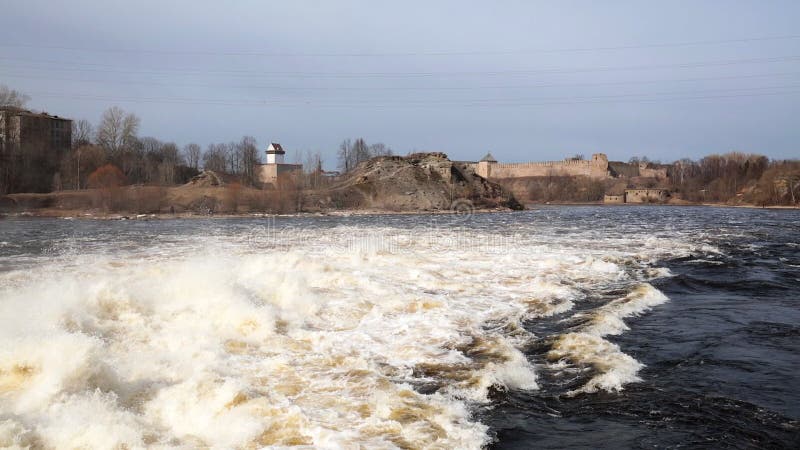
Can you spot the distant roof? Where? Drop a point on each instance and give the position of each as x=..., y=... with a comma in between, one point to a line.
x=24, y=112
x=489, y=158
x=274, y=147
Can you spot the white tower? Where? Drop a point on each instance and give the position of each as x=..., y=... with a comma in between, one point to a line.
x=275, y=154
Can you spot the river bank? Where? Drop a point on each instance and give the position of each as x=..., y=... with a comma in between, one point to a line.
x=104, y=215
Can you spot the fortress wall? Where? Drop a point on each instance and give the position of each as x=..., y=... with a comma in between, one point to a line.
x=593, y=168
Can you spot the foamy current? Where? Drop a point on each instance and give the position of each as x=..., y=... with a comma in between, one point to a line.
x=258, y=334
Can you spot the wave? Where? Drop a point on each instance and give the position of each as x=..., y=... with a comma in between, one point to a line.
x=314, y=343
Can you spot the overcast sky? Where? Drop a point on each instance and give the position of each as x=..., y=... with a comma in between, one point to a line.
x=526, y=80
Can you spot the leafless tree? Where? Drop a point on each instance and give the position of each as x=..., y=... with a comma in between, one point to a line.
x=313, y=169
x=117, y=130
x=79, y=163
x=344, y=155
x=360, y=152
x=350, y=155
x=249, y=154
x=192, y=154
x=11, y=97
x=82, y=132
x=214, y=158
x=169, y=160
x=233, y=155
x=380, y=149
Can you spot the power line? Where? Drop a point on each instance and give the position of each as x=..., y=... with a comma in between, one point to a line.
x=616, y=98
x=184, y=71
x=404, y=54
x=404, y=88
x=559, y=103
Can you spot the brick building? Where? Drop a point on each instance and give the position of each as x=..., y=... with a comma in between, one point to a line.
x=31, y=147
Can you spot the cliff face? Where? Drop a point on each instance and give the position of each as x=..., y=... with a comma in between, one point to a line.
x=421, y=181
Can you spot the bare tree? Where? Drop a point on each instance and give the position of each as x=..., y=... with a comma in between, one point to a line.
x=82, y=132
x=360, y=152
x=117, y=130
x=249, y=155
x=11, y=97
x=192, y=154
x=380, y=149
x=169, y=159
x=350, y=155
x=313, y=169
x=233, y=154
x=79, y=163
x=214, y=158
x=344, y=155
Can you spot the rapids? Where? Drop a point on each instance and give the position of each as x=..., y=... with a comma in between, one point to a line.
x=319, y=332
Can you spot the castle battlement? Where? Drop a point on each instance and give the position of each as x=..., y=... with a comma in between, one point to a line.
x=597, y=167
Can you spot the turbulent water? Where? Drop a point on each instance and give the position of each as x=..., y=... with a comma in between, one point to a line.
x=557, y=327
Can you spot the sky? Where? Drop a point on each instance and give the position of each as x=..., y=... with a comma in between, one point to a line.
x=526, y=80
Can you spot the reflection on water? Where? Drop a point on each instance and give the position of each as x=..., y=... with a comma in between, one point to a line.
x=632, y=326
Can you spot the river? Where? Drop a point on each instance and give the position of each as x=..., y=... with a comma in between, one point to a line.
x=558, y=327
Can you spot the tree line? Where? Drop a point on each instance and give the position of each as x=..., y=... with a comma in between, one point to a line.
x=351, y=153
x=736, y=178
x=148, y=160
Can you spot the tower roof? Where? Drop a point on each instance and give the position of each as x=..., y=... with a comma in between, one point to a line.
x=275, y=148
x=489, y=158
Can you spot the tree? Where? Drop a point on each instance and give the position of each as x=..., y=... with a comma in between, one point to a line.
x=214, y=158
x=169, y=158
x=79, y=163
x=117, y=131
x=380, y=149
x=82, y=132
x=344, y=156
x=192, y=154
x=106, y=177
x=107, y=181
x=249, y=154
x=350, y=155
x=360, y=152
x=11, y=97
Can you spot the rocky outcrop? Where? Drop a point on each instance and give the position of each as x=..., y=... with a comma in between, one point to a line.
x=417, y=182
x=206, y=178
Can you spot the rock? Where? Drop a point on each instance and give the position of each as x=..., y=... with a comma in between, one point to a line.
x=417, y=182
x=207, y=178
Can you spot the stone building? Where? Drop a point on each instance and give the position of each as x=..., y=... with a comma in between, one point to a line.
x=31, y=147
x=276, y=169
x=613, y=198
x=646, y=195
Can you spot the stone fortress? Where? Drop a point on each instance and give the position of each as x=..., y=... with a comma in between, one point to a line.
x=597, y=167
x=634, y=182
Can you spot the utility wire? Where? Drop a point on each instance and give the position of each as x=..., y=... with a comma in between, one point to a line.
x=616, y=98
x=401, y=54
x=400, y=88
x=251, y=73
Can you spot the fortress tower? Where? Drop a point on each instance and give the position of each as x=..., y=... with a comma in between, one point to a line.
x=275, y=153
x=275, y=168
x=485, y=165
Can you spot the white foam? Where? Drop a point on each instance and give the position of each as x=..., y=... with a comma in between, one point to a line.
x=242, y=343
x=587, y=346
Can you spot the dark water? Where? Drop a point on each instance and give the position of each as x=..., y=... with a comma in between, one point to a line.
x=722, y=356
